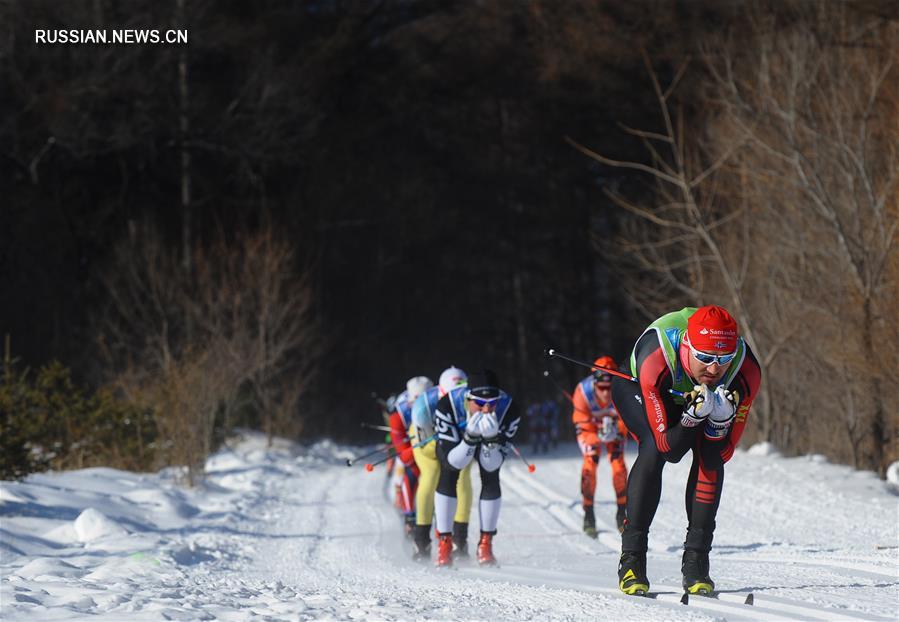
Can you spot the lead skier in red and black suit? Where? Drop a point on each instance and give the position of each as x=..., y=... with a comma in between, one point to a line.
x=699, y=353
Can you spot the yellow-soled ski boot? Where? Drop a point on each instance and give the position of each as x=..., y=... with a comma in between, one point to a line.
x=695, y=568
x=632, y=573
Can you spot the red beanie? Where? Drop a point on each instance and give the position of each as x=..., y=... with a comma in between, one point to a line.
x=712, y=328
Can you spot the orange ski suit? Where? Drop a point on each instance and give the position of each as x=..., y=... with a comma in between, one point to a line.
x=588, y=418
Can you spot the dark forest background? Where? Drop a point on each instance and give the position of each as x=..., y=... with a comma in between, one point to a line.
x=312, y=201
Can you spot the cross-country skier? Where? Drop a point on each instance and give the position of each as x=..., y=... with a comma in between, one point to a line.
x=426, y=458
x=550, y=412
x=538, y=432
x=598, y=425
x=387, y=407
x=476, y=422
x=400, y=419
x=700, y=353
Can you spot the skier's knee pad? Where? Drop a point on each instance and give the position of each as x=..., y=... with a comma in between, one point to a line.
x=447, y=483
x=490, y=488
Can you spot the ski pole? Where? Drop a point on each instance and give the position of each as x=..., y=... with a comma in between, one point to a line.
x=531, y=467
x=380, y=400
x=371, y=465
x=550, y=352
x=558, y=386
x=384, y=404
x=371, y=426
x=351, y=461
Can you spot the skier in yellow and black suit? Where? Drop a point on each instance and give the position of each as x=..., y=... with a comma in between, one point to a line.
x=426, y=459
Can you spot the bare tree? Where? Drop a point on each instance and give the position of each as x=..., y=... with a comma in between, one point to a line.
x=265, y=309
x=250, y=322
x=674, y=252
x=815, y=101
x=780, y=200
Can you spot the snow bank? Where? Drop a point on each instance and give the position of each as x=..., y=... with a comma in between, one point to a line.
x=763, y=449
x=92, y=525
x=893, y=475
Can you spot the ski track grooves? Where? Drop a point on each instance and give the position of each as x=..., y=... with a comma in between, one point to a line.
x=549, y=515
x=667, y=596
x=537, y=497
x=312, y=553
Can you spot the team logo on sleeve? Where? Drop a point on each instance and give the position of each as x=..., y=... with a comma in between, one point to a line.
x=513, y=428
x=443, y=425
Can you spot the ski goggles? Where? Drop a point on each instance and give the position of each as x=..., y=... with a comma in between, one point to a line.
x=480, y=402
x=602, y=378
x=707, y=359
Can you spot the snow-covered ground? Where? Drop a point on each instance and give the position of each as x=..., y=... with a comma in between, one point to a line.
x=291, y=533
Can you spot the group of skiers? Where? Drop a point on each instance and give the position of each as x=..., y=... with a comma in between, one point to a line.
x=690, y=385
x=438, y=433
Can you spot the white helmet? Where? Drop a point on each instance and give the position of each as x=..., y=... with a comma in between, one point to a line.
x=417, y=385
x=451, y=378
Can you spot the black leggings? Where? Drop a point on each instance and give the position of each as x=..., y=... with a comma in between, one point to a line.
x=644, y=482
x=446, y=485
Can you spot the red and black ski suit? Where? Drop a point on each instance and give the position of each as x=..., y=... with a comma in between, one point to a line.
x=654, y=419
x=399, y=420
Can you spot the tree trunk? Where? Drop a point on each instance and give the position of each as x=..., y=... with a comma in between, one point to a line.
x=184, y=130
x=878, y=422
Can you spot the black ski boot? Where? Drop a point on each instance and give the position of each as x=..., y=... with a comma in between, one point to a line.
x=620, y=517
x=695, y=568
x=632, y=573
x=695, y=562
x=460, y=540
x=409, y=525
x=421, y=543
x=590, y=522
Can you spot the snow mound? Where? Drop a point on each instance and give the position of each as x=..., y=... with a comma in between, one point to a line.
x=893, y=474
x=763, y=449
x=48, y=568
x=92, y=525
x=8, y=496
x=168, y=503
x=62, y=534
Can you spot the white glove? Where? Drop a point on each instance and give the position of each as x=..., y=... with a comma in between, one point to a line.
x=472, y=434
x=609, y=431
x=722, y=414
x=700, y=403
x=489, y=427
